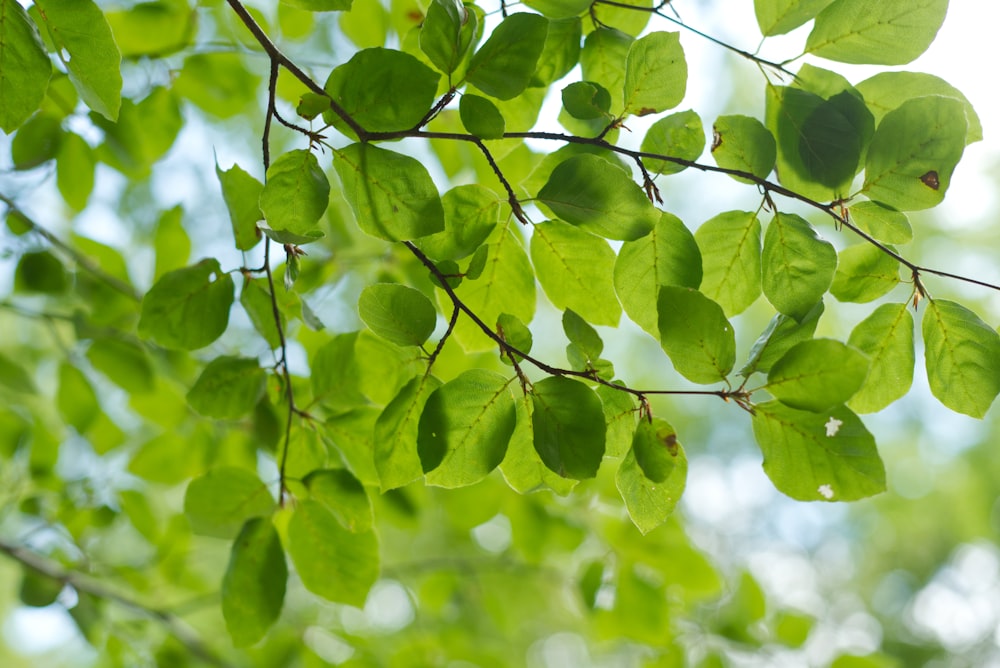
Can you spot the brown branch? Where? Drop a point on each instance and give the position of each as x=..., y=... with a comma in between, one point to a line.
x=91, y=585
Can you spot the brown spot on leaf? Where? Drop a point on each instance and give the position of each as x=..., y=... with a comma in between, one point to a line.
x=716, y=139
x=645, y=111
x=930, y=179
x=670, y=442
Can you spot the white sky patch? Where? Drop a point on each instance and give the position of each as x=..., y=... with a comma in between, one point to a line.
x=832, y=427
x=825, y=490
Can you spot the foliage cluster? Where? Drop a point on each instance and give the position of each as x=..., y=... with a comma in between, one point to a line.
x=408, y=176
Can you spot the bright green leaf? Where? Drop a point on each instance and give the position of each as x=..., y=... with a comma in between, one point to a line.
x=561, y=52
x=24, y=76
x=397, y=313
x=695, y=334
x=222, y=84
x=588, y=191
x=603, y=61
x=447, y=33
x=241, y=192
x=781, y=334
x=171, y=242
x=383, y=90
x=124, y=363
x=76, y=400
x=882, y=222
x=888, y=90
x=568, y=427
x=652, y=476
x=668, y=255
x=14, y=377
x=744, y=144
x=396, y=457
x=730, y=259
x=559, y=9
x=333, y=563
x=295, y=194
x=522, y=467
x=891, y=32
x=93, y=62
x=392, y=195
x=253, y=589
x=343, y=495
x=471, y=212
x=481, y=117
x=575, y=268
x=679, y=135
x=465, y=427
x=962, y=355
x=503, y=66
x=586, y=100
x=320, y=5
x=914, y=152
x=255, y=298
x=156, y=28
x=228, y=387
x=810, y=456
x=219, y=502
x=777, y=17
x=864, y=273
x=797, y=265
x=75, y=164
x=36, y=142
x=817, y=374
x=655, y=74
x=188, y=308
x=886, y=336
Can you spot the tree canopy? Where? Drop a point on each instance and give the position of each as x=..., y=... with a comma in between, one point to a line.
x=350, y=332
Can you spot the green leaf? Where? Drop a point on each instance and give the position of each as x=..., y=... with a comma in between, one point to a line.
x=777, y=17
x=40, y=272
x=219, y=502
x=581, y=334
x=93, y=62
x=145, y=131
x=603, y=61
x=256, y=301
x=559, y=9
x=295, y=194
x=38, y=590
x=392, y=195
x=586, y=100
x=522, y=468
x=36, y=142
x=864, y=273
x=818, y=456
x=561, y=52
x=481, y=117
x=343, y=495
x=962, y=355
x=14, y=377
x=507, y=285
x=241, y=192
x=320, y=5
x=253, y=589
x=336, y=373
x=575, y=268
x=124, y=363
x=695, y=334
x=652, y=476
x=397, y=313
x=188, y=308
x=621, y=410
x=914, y=152
x=797, y=265
x=333, y=563
x=228, y=388
x=471, y=212
x=668, y=255
x=75, y=164
x=76, y=400
x=886, y=336
x=680, y=135
x=219, y=83
x=781, y=334
x=744, y=144
x=730, y=259
x=503, y=66
x=465, y=427
x=171, y=242
x=396, y=457
x=883, y=223
x=153, y=29
x=447, y=34
x=892, y=32
x=568, y=427
x=383, y=90
x=24, y=83
x=821, y=139
x=817, y=375
x=888, y=90
x=514, y=332
x=590, y=192
x=655, y=74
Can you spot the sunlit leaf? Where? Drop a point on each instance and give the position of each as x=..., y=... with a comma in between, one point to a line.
x=797, y=265
x=655, y=74
x=228, y=387
x=24, y=85
x=886, y=336
x=295, y=194
x=817, y=374
x=679, y=135
x=730, y=259
x=652, y=476
x=188, y=308
x=777, y=17
x=253, y=589
x=864, y=273
x=503, y=66
x=568, y=427
x=219, y=502
x=397, y=313
x=695, y=334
